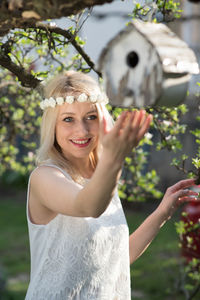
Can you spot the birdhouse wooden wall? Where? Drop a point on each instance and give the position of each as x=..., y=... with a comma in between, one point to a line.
x=146, y=64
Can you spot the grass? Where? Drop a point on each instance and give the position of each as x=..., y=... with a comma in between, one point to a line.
x=14, y=247
x=155, y=273
x=154, y=276
x=158, y=273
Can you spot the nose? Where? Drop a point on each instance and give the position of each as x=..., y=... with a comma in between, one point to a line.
x=82, y=129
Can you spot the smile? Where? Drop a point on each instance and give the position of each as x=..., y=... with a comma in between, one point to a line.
x=81, y=143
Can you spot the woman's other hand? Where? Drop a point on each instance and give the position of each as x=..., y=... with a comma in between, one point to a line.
x=175, y=196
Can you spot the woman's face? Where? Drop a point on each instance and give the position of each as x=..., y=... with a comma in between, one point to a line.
x=77, y=129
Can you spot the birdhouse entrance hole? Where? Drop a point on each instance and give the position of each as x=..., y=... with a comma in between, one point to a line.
x=132, y=59
x=146, y=64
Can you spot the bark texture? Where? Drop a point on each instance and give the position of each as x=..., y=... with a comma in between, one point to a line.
x=20, y=13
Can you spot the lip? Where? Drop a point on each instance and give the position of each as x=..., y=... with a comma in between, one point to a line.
x=81, y=145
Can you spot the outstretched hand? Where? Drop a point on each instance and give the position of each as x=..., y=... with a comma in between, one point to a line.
x=176, y=195
x=128, y=130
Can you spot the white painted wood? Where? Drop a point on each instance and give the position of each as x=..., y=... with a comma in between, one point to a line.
x=162, y=73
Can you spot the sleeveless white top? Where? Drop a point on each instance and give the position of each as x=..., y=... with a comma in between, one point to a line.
x=75, y=258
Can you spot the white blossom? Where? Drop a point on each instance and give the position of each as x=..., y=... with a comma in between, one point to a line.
x=102, y=98
x=59, y=100
x=30, y=154
x=46, y=103
x=53, y=24
x=168, y=137
x=93, y=98
x=69, y=99
x=52, y=102
x=82, y=98
x=42, y=105
x=166, y=123
x=148, y=135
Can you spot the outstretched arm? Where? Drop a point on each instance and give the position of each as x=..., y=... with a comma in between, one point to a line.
x=93, y=199
x=141, y=238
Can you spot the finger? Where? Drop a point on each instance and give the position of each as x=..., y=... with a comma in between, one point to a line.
x=185, y=193
x=143, y=117
x=102, y=127
x=145, y=127
x=128, y=124
x=138, y=118
x=183, y=184
x=188, y=199
x=133, y=126
x=119, y=124
x=140, y=126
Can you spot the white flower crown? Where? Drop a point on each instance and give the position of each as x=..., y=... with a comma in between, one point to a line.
x=94, y=98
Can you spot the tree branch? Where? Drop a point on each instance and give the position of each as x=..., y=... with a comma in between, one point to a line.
x=66, y=34
x=71, y=38
x=26, y=79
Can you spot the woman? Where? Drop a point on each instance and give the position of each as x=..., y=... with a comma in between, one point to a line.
x=79, y=239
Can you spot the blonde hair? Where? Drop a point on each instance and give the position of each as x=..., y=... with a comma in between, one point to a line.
x=70, y=83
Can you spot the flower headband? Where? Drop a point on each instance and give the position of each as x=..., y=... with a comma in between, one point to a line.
x=94, y=98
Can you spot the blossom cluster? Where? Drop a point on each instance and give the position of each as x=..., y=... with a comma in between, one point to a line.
x=94, y=98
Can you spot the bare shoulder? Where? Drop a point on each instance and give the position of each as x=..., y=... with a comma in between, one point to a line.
x=43, y=185
x=47, y=180
x=45, y=174
x=51, y=192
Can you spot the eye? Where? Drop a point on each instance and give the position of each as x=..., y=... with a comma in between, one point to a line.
x=92, y=117
x=68, y=119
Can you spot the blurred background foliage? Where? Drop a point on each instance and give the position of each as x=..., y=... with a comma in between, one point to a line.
x=45, y=51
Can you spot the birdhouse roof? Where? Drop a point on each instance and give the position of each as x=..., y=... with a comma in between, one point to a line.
x=174, y=54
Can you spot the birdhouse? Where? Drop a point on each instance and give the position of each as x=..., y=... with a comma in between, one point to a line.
x=146, y=64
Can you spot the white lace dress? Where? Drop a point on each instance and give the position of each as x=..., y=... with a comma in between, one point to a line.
x=75, y=258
